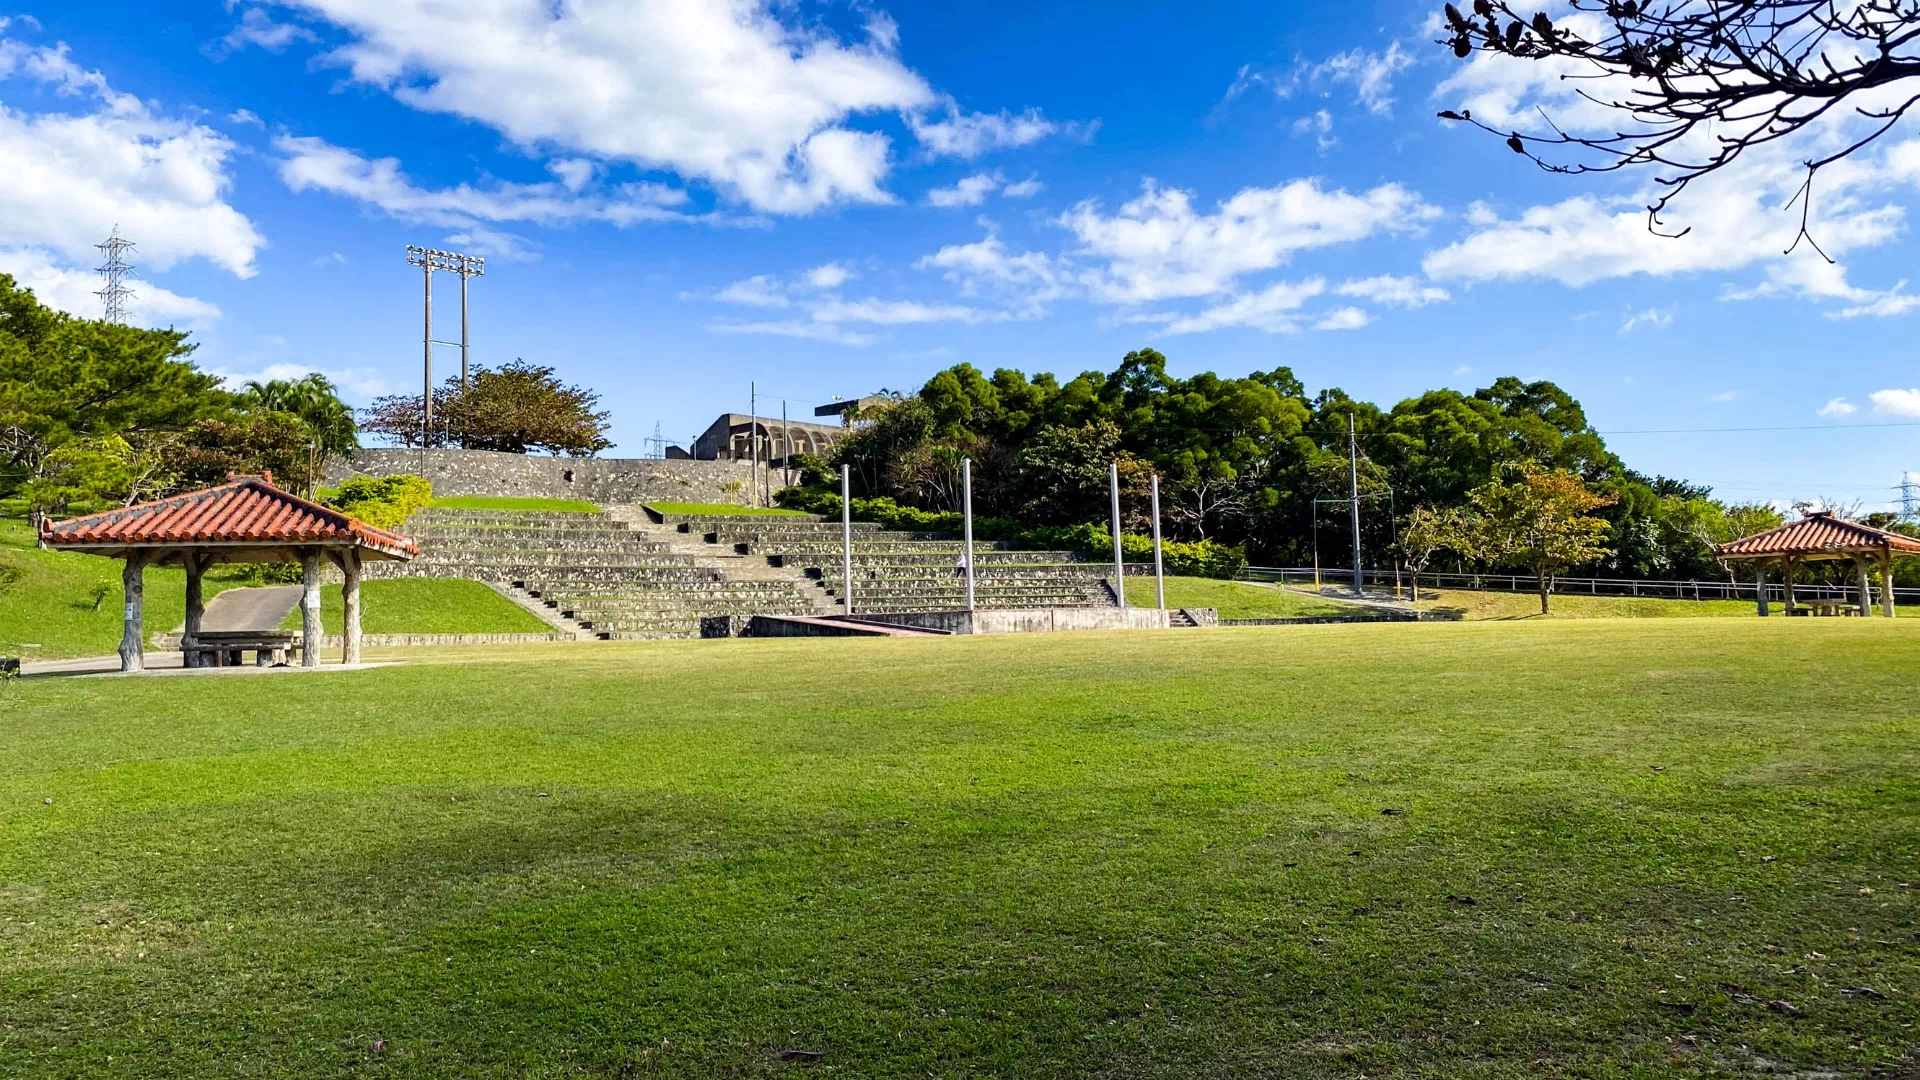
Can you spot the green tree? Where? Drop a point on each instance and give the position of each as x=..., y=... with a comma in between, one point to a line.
x=81, y=471
x=517, y=408
x=1425, y=533
x=250, y=444
x=63, y=378
x=331, y=431
x=1541, y=521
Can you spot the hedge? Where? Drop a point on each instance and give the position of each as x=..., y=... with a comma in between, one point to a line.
x=382, y=501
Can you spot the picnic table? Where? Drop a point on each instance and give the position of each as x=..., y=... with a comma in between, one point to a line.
x=223, y=648
x=1833, y=607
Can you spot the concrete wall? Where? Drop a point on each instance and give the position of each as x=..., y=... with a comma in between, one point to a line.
x=1030, y=620
x=601, y=480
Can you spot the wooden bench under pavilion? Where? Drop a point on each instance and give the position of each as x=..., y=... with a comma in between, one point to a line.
x=245, y=520
x=1821, y=537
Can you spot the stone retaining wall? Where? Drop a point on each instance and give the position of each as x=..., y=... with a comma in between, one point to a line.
x=607, y=481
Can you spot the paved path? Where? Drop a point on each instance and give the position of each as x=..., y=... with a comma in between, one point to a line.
x=251, y=609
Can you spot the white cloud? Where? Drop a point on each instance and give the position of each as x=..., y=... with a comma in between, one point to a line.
x=331, y=259
x=1838, y=407
x=971, y=191
x=1319, y=125
x=257, y=28
x=1273, y=309
x=311, y=164
x=1463, y=369
x=247, y=117
x=740, y=94
x=829, y=276
x=71, y=177
x=1159, y=247
x=1346, y=318
x=1023, y=189
x=1402, y=292
x=969, y=135
x=1722, y=398
x=1030, y=279
x=1896, y=402
x=1370, y=74
x=1658, y=318
x=824, y=315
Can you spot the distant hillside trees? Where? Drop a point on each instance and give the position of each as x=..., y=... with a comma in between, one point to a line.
x=517, y=408
x=1242, y=460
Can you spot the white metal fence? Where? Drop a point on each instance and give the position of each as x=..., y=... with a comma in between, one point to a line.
x=1387, y=580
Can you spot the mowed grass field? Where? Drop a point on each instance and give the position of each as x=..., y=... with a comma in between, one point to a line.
x=424, y=606
x=1594, y=849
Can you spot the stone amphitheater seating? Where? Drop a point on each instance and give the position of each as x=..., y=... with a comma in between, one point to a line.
x=899, y=571
x=617, y=582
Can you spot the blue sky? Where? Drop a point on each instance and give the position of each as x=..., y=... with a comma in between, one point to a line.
x=679, y=198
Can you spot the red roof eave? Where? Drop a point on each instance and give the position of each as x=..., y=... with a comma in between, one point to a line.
x=245, y=511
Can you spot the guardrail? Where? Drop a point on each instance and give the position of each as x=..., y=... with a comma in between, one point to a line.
x=1573, y=586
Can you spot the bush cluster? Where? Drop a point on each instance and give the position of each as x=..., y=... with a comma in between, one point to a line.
x=382, y=501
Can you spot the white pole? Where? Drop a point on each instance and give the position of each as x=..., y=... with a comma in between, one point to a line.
x=1119, y=572
x=966, y=510
x=1159, y=573
x=846, y=536
x=753, y=442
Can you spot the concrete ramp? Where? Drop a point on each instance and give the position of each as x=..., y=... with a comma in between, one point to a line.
x=251, y=609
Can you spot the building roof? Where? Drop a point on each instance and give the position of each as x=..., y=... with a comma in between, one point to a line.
x=246, y=519
x=1819, y=535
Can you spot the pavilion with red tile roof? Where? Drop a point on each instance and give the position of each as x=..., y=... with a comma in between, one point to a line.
x=245, y=520
x=1821, y=537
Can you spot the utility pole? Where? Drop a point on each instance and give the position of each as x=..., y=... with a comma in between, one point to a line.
x=1353, y=478
x=966, y=513
x=1159, y=571
x=1119, y=571
x=467, y=266
x=786, y=459
x=115, y=272
x=846, y=536
x=753, y=442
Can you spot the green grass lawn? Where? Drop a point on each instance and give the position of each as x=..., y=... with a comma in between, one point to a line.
x=425, y=606
x=47, y=610
x=1502, y=605
x=692, y=509
x=481, y=502
x=1234, y=599
x=1593, y=849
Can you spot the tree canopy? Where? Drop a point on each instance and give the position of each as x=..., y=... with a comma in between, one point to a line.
x=518, y=407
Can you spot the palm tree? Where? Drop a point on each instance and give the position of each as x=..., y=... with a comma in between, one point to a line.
x=316, y=404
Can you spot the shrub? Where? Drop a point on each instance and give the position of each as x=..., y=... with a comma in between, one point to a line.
x=382, y=501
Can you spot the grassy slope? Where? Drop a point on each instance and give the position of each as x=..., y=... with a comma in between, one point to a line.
x=50, y=605
x=1087, y=854
x=481, y=502
x=425, y=606
x=723, y=509
x=1235, y=599
x=1499, y=605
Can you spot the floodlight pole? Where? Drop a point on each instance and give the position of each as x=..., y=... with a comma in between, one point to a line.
x=1119, y=571
x=1353, y=477
x=1159, y=572
x=426, y=396
x=753, y=442
x=966, y=513
x=846, y=536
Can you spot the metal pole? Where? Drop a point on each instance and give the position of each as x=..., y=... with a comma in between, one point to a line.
x=846, y=536
x=753, y=443
x=786, y=459
x=1353, y=477
x=1119, y=571
x=426, y=403
x=463, y=324
x=1159, y=572
x=966, y=511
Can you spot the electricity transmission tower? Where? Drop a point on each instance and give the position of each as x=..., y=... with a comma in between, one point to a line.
x=656, y=446
x=467, y=266
x=1909, y=497
x=116, y=272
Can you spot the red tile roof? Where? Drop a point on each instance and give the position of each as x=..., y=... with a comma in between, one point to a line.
x=246, y=510
x=1820, y=534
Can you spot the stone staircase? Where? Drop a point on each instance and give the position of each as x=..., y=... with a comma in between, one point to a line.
x=899, y=571
x=595, y=572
